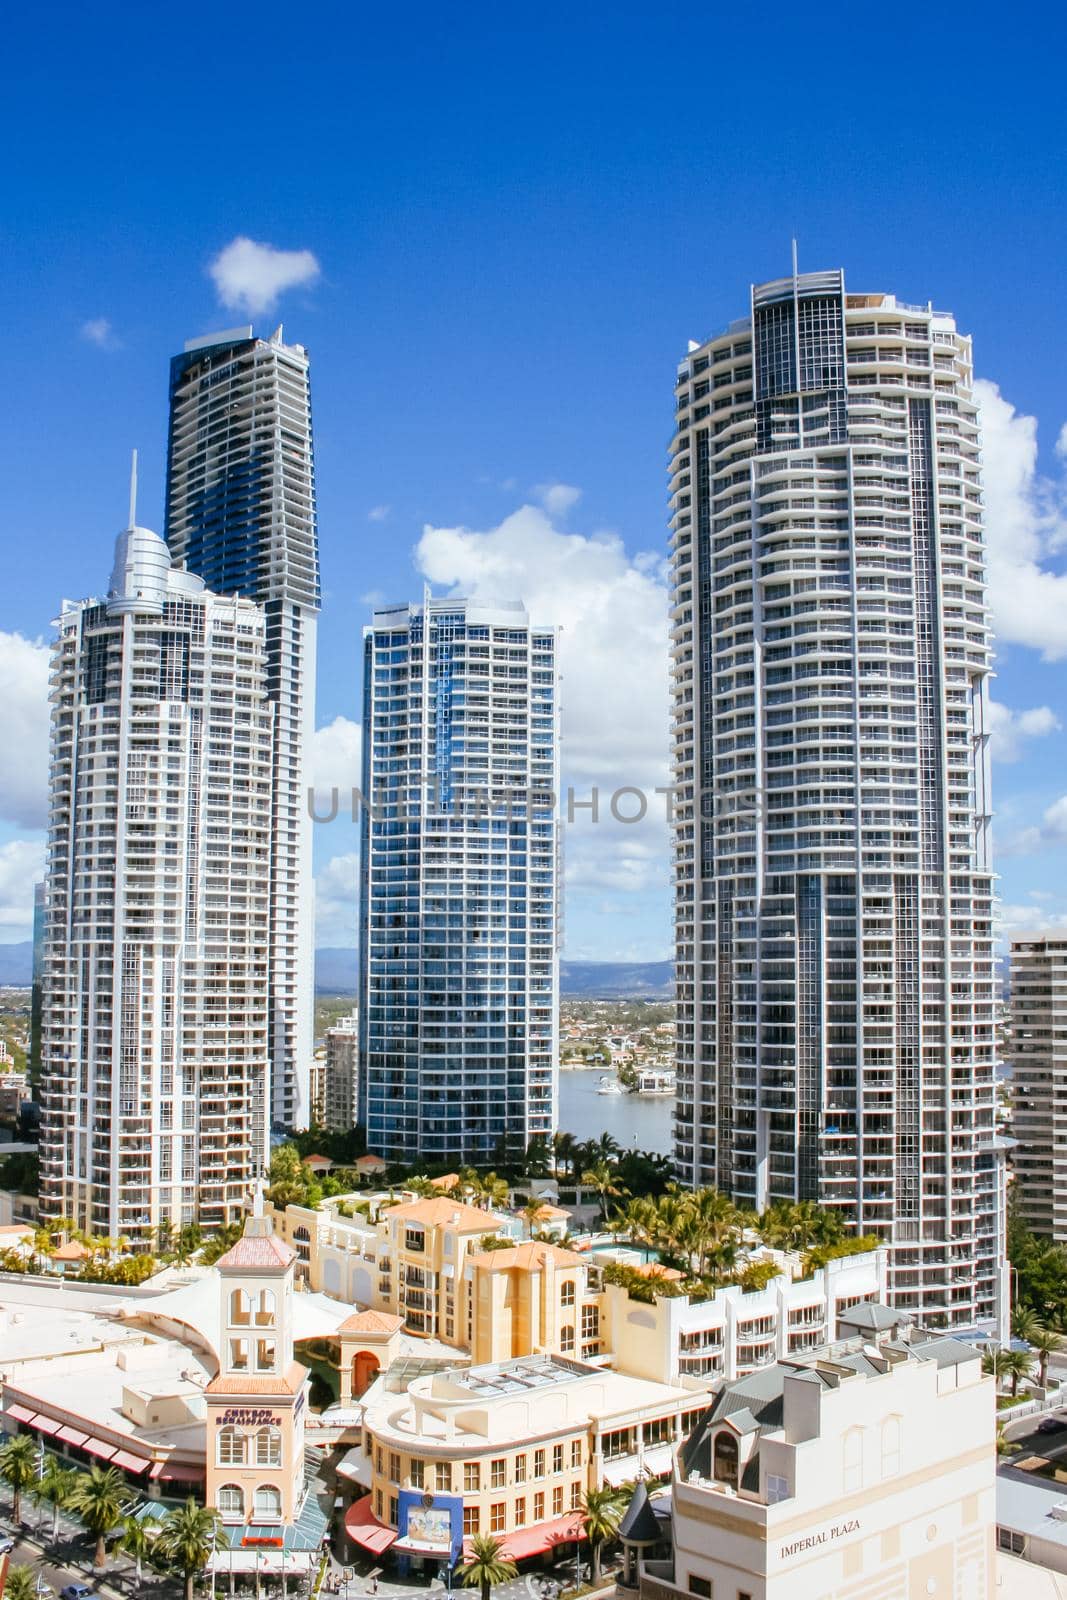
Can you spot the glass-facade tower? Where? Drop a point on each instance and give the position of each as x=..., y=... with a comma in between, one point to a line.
x=241, y=514
x=831, y=654
x=459, y=963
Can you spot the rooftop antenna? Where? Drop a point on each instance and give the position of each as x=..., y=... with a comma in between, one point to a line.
x=794, y=258
x=133, y=490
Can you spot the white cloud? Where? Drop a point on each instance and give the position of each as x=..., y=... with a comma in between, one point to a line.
x=24, y=726
x=21, y=866
x=1052, y=832
x=613, y=655
x=1012, y=919
x=1010, y=729
x=335, y=901
x=379, y=513
x=250, y=276
x=98, y=331
x=336, y=760
x=557, y=498
x=1026, y=523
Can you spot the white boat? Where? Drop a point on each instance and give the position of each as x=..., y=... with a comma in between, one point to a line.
x=609, y=1086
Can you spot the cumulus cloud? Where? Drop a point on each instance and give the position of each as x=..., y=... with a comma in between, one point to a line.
x=250, y=276
x=611, y=611
x=1051, y=832
x=335, y=759
x=557, y=498
x=379, y=513
x=335, y=901
x=1026, y=526
x=98, y=331
x=23, y=731
x=1009, y=730
x=21, y=866
x=1014, y=919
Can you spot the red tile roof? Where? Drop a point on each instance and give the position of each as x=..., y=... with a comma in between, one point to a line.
x=371, y=1322
x=290, y=1382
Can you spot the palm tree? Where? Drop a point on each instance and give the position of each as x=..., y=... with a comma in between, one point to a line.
x=55, y=1489
x=18, y=1467
x=164, y=1235
x=189, y=1534
x=1017, y=1365
x=601, y=1179
x=563, y=1152
x=137, y=1540
x=20, y=1584
x=995, y=1361
x=601, y=1511
x=1025, y=1324
x=495, y=1192
x=531, y=1211
x=100, y=1499
x=1044, y=1343
x=488, y=1565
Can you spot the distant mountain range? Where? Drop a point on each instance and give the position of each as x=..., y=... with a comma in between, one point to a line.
x=335, y=973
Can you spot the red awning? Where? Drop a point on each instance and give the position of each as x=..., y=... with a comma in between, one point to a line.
x=97, y=1447
x=45, y=1424
x=533, y=1541
x=175, y=1472
x=129, y=1462
x=363, y=1527
x=71, y=1436
x=21, y=1414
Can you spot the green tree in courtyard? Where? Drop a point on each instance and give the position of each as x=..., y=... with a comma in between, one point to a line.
x=487, y=1565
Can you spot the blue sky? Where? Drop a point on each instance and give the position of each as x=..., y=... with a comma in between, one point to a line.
x=518, y=222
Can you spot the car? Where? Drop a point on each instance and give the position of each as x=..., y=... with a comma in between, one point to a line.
x=1052, y=1425
x=75, y=1591
x=7, y=1544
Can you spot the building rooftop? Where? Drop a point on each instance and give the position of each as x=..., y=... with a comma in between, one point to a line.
x=523, y=1374
x=527, y=1257
x=442, y=1212
x=258, y=1249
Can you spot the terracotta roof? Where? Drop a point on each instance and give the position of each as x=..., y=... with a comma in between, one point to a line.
x=529, y=1256
x=370, y=1163
x=290, y=1382
x=371, y=1322
x=258, y=1250
x=317, y=1161
x=548, y=1210
x=71, y=1251
x=447, y=1181
x=440, y=1212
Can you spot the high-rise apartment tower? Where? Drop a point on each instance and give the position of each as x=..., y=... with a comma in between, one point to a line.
x=241, y=514
x=459, y=963
x=831, y=652
x=154, y=1060
x=1038, y=1052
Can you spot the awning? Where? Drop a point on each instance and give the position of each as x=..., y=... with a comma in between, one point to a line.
x=129, y=1462
x=355, y=1466
x=292, y=1562
x=97, y=1447
x=45, y=1424
x=21, y=1414
x=523, y=1542
x=71, y=1436
x=175, y=1472
x=657, y=1459
x=362, y=1526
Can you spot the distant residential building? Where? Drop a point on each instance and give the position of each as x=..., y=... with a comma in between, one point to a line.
x=154, y=1052
x=864, y=1468
x=459, y=883
x=340, y=1090
x=241, y=514
x=317, y=1092
x=1038, y=986
x=39, y=924
x=15, y=1092
x=834, y=891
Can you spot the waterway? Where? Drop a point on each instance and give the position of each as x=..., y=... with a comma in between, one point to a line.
x=644, y=1121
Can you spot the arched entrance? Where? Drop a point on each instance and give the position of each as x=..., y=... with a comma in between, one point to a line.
x=365, y=1368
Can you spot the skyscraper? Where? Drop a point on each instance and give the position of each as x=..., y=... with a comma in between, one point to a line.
x=241, y=514
x=1039, y=1056
x=155, y=1067
x=459, y=963
x=833, y=887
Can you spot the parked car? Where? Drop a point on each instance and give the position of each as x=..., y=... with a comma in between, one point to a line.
x=1052, y=1425
x=75, y=1591
x=7, y=1544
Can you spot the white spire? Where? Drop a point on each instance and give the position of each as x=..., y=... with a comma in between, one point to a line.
x=133, y=491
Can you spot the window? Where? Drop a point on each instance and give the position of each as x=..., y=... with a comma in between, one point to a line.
x=852, y=1459
x=496, y=1517
x=700, y=1586
x=1008, y=1539
x=620, y=1442
x=576, y=1452
x=566, y=1338
x=394, y=1510
x=443, y=1477
x=265, y=1353
x=265, y=1309
x=520, y=1468
x=890, y=1447
x=539, y=1464
x=472, y=1476
x=268, y=1502
x=777, y=1488
x=724, y=1468
x=230, y=1501
x=566, y=1292
x=590, y=1322
x=470, y=1519
x=414, y=1239
x=394, y=1466
x=238, y=1355
x=557, y=1501
x=520, y=1513
x=557, y=1458
x=240, y=1309
x=269, y=1447
x=576, y=1497
x=418, y=1472
x=231, y=1448
x=539, y=1508
x=497, y=1474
